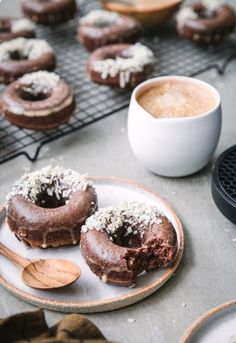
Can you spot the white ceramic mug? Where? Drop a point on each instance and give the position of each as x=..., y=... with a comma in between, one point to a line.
x=173, y=147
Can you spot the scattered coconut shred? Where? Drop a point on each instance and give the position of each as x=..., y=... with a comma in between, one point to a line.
x=136, y=57
x=22, y=24
x=27, y=48
x=133, y=215
x=55, y=180
x=100, y=18
x=39, y=82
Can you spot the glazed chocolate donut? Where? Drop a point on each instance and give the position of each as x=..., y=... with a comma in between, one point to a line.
x=47, y=208
x=21, y=56
x=11, y=28
x=206, y=22
x=122, y=241
x=101, y=27
x=120, y=65
x=49, y=12
x=38, y=101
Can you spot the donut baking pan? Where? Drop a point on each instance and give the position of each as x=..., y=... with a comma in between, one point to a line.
x=224, y=183
x=174, y=55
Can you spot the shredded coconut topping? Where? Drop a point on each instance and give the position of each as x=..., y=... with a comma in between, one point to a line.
x=25, y=48
x=39, y=82
x=188, y=12
x=22, y=24
x=212, y=5
x=55, y=181
x=133, y=60
x=100, y=18
x=133, y=216
x=184, y=14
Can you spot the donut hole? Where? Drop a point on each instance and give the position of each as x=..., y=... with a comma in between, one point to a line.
x=45, y=200
x=49, y=197
x=4, y=28
x=17, y=55
x=29, y=94
x=123, y=238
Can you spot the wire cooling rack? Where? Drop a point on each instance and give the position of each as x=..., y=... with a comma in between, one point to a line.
x=173, y=56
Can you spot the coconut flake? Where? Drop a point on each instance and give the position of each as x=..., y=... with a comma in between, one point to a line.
x=100, y=18
x=54, y=180
x=134, y=216
x=39, y=82
x=22, y=24
x=184, y=14
x=26, y=48
x=134, y=59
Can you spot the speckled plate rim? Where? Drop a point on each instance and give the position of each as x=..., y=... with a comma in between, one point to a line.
x=203, y=318
x=111, y=303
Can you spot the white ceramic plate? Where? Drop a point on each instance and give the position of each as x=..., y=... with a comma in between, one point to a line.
x=216, y=326
x=89, y=293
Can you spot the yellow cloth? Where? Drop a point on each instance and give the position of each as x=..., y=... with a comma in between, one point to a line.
x=31, y=327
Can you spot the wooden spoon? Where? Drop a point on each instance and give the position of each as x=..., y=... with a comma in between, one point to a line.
x=43, y=274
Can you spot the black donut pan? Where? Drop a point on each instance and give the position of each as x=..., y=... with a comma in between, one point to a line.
x=174, y=56
x=224, y=183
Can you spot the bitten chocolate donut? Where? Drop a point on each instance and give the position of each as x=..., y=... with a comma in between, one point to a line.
x=20, y=56
x=38, y=101
x=101, y=27
x=120, y=65
x=12, y=28
x=47, y=208
x=206, y=22
x=122, y=241
x=49, y=12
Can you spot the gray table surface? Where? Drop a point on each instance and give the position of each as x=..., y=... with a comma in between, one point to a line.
x=206, y=276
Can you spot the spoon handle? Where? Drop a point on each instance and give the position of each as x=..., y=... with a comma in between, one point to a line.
x=13, y=257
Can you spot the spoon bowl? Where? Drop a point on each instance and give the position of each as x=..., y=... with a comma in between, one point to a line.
x=50, y=274
x=43, y=274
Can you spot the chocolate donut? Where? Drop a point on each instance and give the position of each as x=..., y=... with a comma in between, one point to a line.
x=49, y=12
x=206, y=22
x=120, y=65
x=12, y=28
x=38, y=101
x=101, y=27
x=122, y=241
x=21, y=56
x=47, y=208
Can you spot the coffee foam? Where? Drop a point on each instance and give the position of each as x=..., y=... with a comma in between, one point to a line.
x=173, y=99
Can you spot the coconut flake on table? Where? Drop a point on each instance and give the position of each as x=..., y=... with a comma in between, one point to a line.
x=22, y=24
x=134, y=59
x=100, y=18
x=54, y=180
x=39, y=82
x=133, y=215
x=27, y=48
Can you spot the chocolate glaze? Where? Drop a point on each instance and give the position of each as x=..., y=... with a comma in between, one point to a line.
x=6, y=33
x=120, y=265
x=49, y=12
x=111, y=51
x=11, y=70
x=126, y=30
x=209, y=30
x=12, y=101
x=44, y=227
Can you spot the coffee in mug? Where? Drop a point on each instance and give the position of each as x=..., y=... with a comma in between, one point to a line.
x=177, y=98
